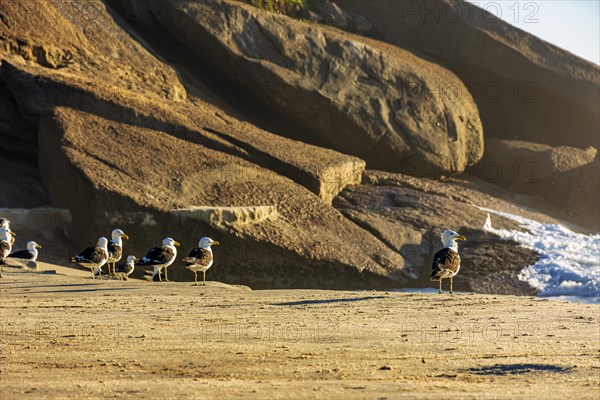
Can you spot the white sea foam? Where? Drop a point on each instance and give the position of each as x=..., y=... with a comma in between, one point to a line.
x=569, y=263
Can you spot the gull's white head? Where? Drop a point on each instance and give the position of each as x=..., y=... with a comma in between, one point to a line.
x=206, y=242
x=4, y=223
x=6, y=234
x=169, y=242
x=102, y=242
x=117, y=234
x=32, y=246
x=132, y=259
x=449, y=239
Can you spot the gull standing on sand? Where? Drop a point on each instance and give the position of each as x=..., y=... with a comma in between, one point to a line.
x=31, y=254
x=93, y=257
x=6, y=241
x=122, y=272
x=201, y=258
x=5, y=248
x=160, y=257
x=446, y=262
x=5, y=231
x=115, y=249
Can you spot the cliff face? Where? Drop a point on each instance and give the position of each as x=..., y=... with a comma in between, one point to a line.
x=171, y=131
x=348, y=93
x=525, y=88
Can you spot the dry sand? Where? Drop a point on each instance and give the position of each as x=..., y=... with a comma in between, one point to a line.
x=67, y=336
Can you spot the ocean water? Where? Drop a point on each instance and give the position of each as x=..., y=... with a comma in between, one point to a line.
x=569, y=264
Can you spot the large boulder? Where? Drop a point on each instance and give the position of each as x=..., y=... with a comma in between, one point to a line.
x=328, y=12
x=292, y=240
x=83, y=38
x=526, y=167
x=559, y=174
x=358, y=96
x=323, y=171
x=525, y=88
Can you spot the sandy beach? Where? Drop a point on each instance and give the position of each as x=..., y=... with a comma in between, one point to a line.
x=67, y=336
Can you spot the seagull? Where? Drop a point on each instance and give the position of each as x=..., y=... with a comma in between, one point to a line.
x=201, y=258
x=160, y=257
x=5, y=233
x=123, y=271
x=4, y=252
x=7, y=238
x=446, y=262
x=93, y=257
x=31, y=254
x=115, y=249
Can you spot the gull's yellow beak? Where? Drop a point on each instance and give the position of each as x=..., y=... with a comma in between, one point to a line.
x=13, y=234
x=136, y=260
x=176, y=244
x=37, y=246
x=124, y=236
x=215, y=243
x=461, y=238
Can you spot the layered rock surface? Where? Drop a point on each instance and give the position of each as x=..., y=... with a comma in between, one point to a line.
x=107, y=180
x=525, y=88
x=380, y=103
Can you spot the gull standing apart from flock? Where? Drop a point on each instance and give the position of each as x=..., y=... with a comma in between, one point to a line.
x=446, y=262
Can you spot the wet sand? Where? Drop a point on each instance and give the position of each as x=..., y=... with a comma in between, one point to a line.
x=68, y=336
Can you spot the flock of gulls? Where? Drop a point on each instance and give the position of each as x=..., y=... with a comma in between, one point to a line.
x=446, y=262
x=109, y=253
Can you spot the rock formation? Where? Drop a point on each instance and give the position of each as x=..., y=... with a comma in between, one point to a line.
x=360, y=97
x=525, y=88
x=132, y=126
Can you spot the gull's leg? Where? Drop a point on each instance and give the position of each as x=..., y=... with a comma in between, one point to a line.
x=204, y=278
x=195, y=278
x=440, y=286
x=159, y=277
x=166, y=276
x=451, y=292
x=93, y=276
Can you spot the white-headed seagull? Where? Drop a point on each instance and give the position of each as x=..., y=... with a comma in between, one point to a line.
x=31, y=254
x=93, y=257
x=160, y=257
x=201, y=258
x=446, y=262
x=115, y=249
